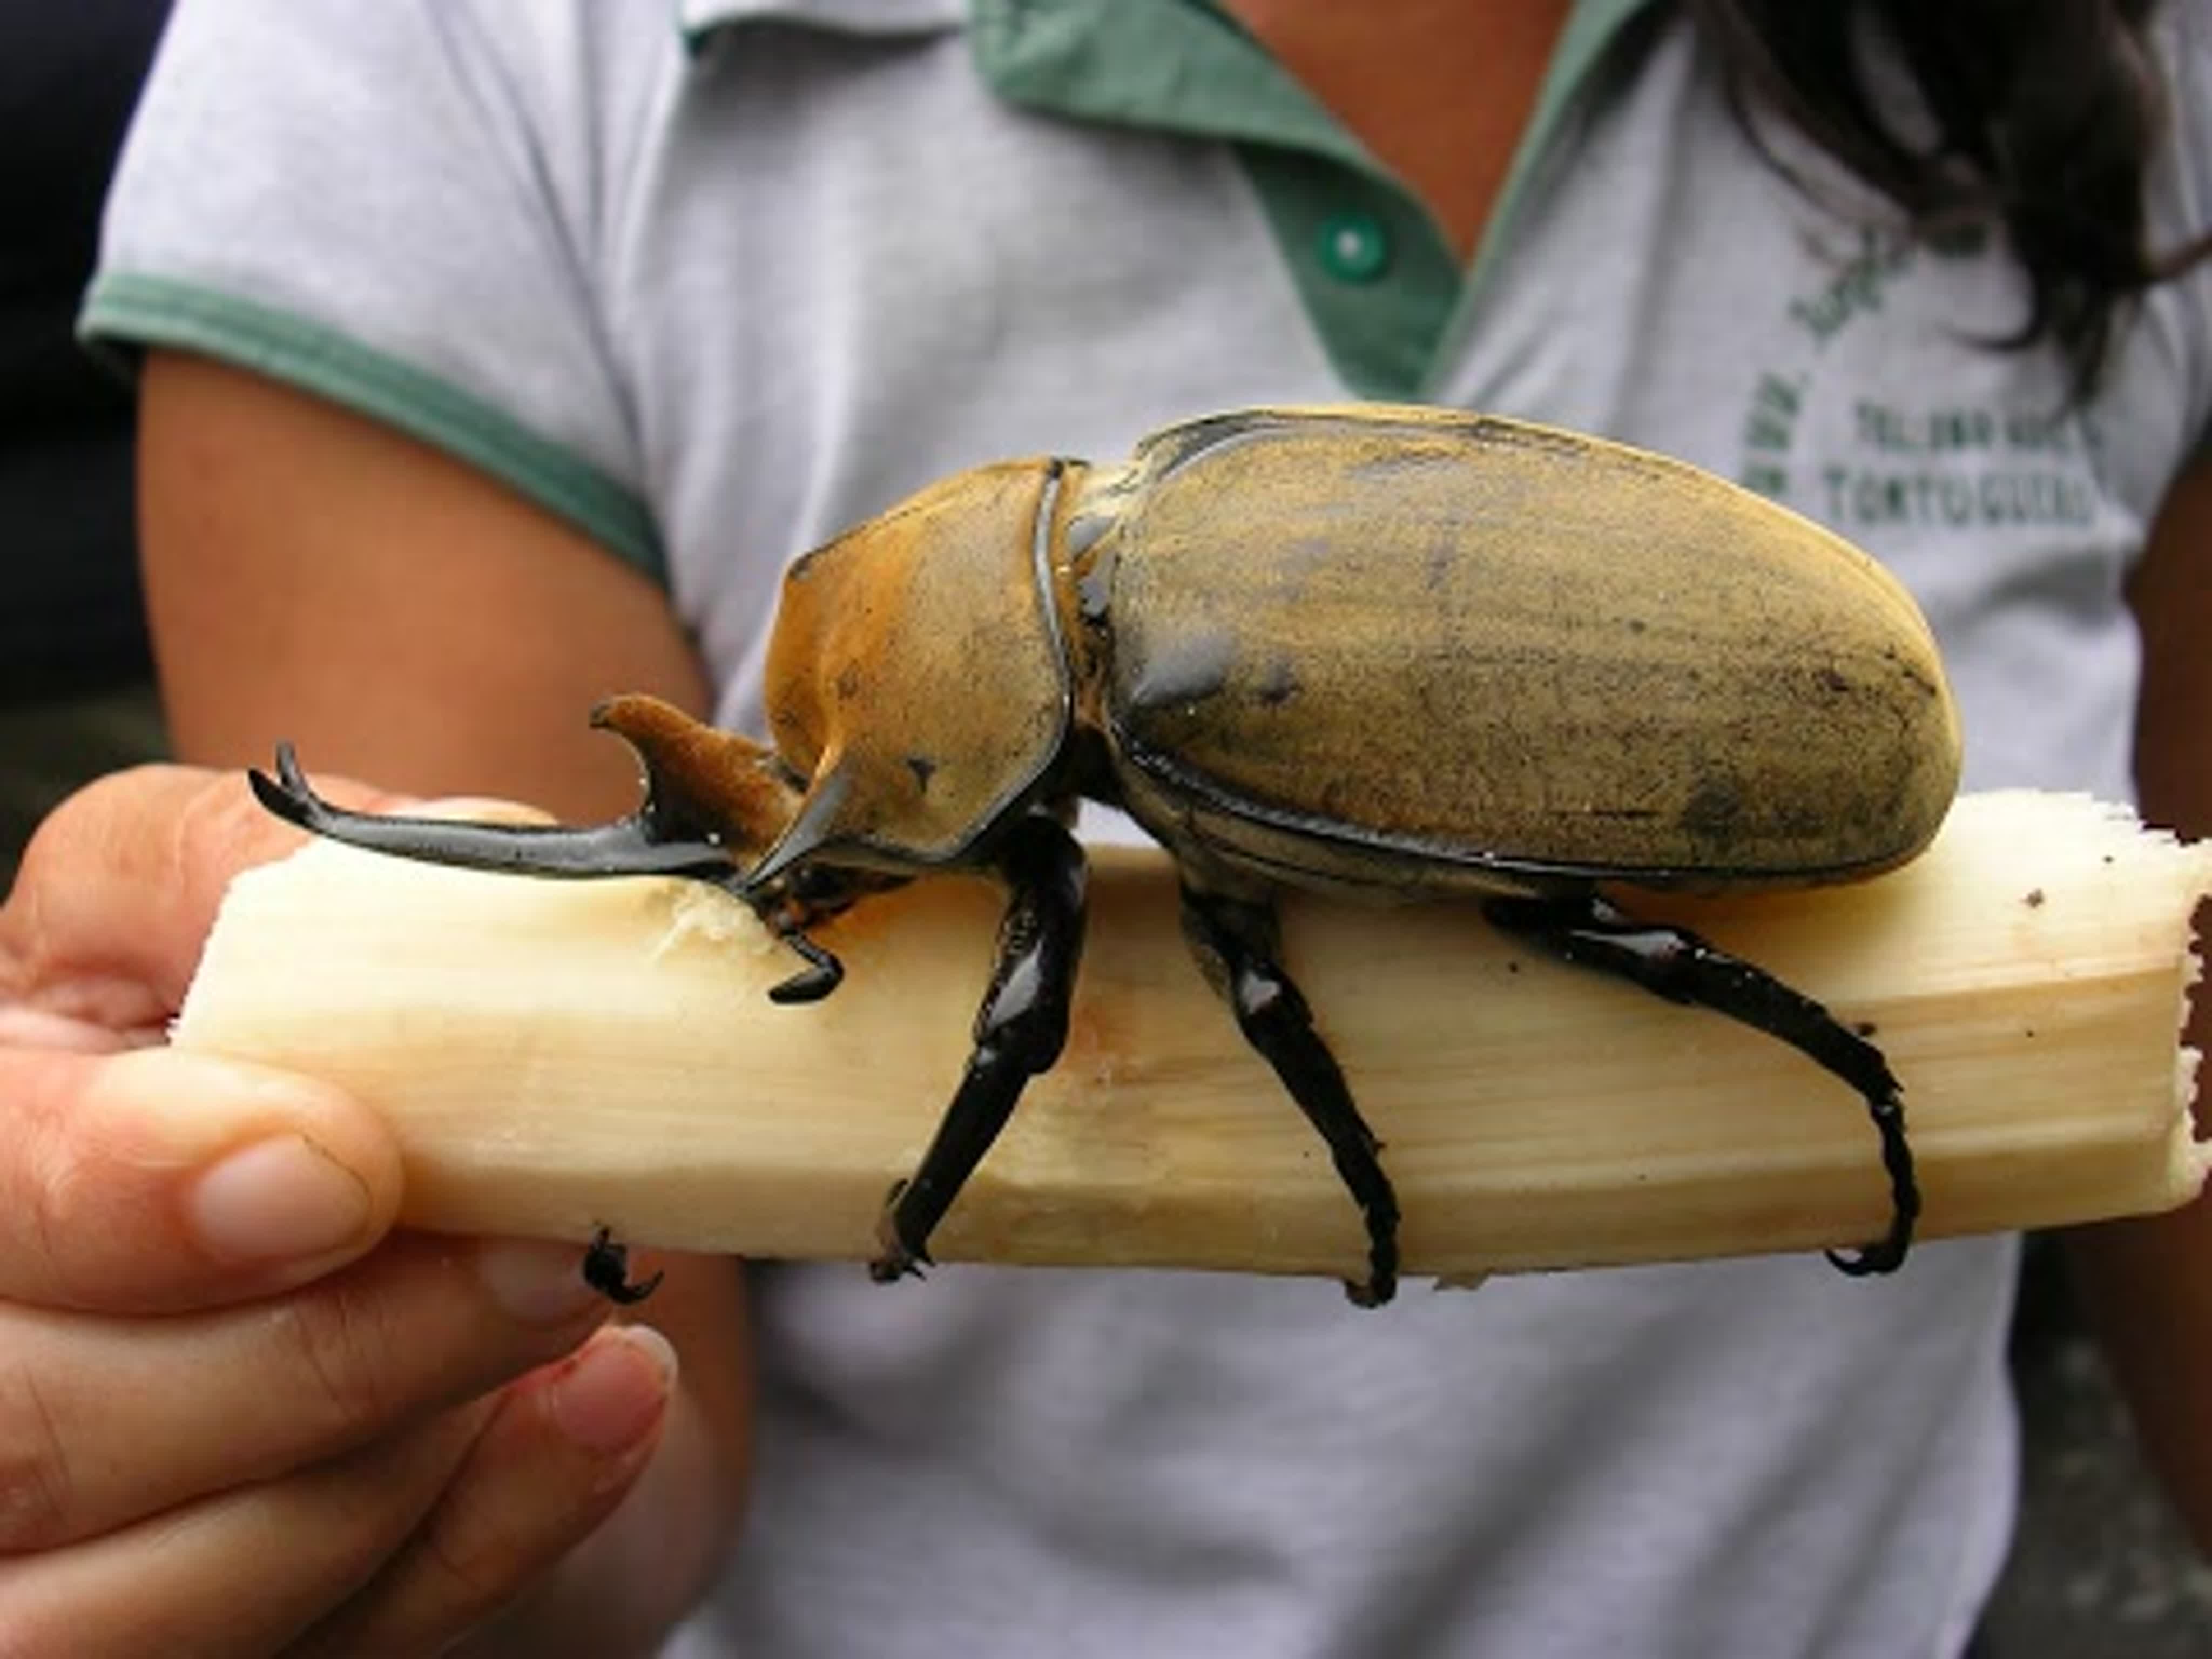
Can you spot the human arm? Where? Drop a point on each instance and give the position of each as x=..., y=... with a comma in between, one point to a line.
x=2148, y=1282
x=313, y=576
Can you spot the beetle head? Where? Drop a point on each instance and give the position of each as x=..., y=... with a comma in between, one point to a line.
x=916, y=677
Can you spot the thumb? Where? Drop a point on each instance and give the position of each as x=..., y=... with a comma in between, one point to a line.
x=158, y=1180
x=119, y=886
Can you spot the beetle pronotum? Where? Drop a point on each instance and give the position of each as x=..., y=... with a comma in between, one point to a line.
x=1411, y=653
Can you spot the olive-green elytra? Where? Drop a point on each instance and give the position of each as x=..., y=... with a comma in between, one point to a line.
x=1407, y=652
x=1453, y=648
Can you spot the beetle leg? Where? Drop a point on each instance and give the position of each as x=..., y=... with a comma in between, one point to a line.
x=786, y=914
x=1677, y=964
x=823, y=974
x=606, y=1270
x=1238, y=945
x=1019, y=1031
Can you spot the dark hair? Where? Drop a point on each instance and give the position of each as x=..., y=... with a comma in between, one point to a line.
x=2045, y=115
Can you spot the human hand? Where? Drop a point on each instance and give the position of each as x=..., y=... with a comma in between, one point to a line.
x=237, y=1415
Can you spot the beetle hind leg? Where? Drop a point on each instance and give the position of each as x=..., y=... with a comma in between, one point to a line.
x=1677, y=964
x=1236, y=942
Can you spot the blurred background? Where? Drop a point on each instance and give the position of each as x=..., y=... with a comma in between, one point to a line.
x=76, y=695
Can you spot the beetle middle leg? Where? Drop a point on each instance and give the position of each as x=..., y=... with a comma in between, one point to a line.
x=1582, y=928
x=1238, y=943
x=1019, y=1031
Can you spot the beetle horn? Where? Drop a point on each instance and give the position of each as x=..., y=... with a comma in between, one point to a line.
x=815, y=823
x=701, y=783
x=628, y=847
x=712, y=801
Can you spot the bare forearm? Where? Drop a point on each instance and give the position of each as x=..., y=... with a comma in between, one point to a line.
x=2148, y=1283
x=2145, y=1300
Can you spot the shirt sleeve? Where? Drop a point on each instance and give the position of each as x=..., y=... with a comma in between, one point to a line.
x=391, y=206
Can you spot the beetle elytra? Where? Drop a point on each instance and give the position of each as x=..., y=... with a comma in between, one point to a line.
x=1410, y=653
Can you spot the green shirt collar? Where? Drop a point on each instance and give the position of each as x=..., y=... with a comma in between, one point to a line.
x=1385, y=292
x=1178, y=64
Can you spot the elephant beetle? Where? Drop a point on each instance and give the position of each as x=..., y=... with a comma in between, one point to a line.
x=1407, y=653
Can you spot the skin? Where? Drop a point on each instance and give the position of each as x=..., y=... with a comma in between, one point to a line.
x=2147, y=1283
x=311, y=575
x=1436, y=90
x=212, y=1444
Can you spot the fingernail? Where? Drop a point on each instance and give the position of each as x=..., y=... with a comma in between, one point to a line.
x=536, y=1283
x=612, y=1394
x=277, y=1201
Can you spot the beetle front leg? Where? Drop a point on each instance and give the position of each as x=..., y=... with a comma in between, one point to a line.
x=1238, y=945
x=1677, y=964
x=1019, y=1031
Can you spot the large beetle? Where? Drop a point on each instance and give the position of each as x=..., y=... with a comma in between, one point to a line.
x=1403, y=653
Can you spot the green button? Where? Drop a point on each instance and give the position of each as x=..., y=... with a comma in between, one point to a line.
x=1354, y=247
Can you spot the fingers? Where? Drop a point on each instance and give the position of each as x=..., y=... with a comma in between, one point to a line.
x=119, y=886
x=149, y=1181
x=241, y=1573
x=413, y=1539
x=561, y=1452
x=155, y=1180
x=225, y=1399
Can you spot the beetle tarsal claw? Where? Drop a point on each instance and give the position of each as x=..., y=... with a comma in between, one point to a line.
x=895, y=1258
x=606, y=1270
x=1886, y=1254
x=823, y=974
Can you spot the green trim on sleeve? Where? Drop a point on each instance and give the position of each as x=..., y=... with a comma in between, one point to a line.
x=134, y=310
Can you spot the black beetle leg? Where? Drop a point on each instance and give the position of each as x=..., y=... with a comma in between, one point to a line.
x=788, y=920
x=1672, y=962
x=1237, y=943
x=1019, y=1031
x=823, y=974
x=606, y=1270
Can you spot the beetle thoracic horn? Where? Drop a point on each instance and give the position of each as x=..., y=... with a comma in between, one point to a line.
x=702, y=783
x=813, y=821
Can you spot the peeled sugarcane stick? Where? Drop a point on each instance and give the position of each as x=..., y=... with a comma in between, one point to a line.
x=559, y=1057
